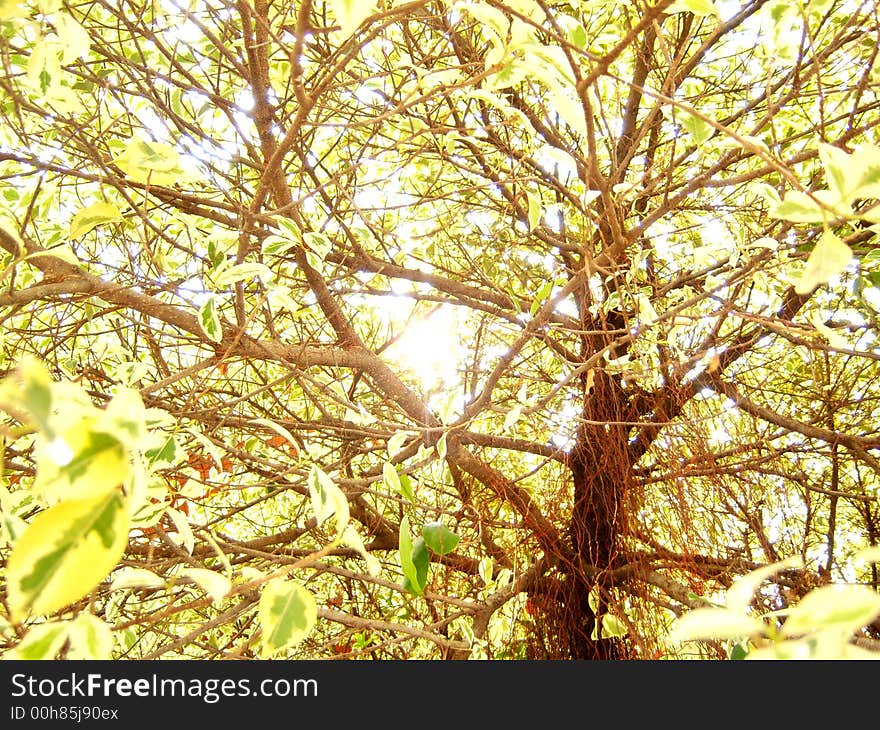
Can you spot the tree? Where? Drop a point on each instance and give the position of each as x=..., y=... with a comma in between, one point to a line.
x=436, y=329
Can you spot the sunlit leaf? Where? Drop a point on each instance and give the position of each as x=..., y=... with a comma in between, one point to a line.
x=714, y=623
x=798, y=207
x=351, y=13
x=128, y=577
x=698, y=128
x=868, y=555
x=10, y=9
x=75, y=41
x=81, y=462
x=842, y=607
x=65, y=552
x=697, y=7
x=215, y=584
x=396, y=442
x=513, y=415
x=288, y=612
x=90, y=638
x=210, y=320
x=156, y=163
x=327, y=499
x=352, y=538
x=93, y=216
x=829, y=258
x=535, y=210
x=42, y=641
x=243, y=272
x=742, y=591
x=318, y=243
x=608, y=627
x=184, y=535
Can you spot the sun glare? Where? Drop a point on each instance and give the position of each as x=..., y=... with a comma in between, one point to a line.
x=430, y=346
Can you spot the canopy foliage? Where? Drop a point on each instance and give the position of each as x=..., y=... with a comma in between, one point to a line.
x=438, y=329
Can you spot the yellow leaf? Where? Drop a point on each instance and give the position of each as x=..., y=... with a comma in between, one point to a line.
x=80, y=462
x=841, y=607
x=868, y=555
x=42, y=641
x=328, y=499
x=64, y=553
x=351, y=13
x=215, y=584
x=741, y=592
x=351, y=538
x=288, y=612
x=715, y=623
x=128, y=577
x=145, y=161
x=10, y=9
x=75, y=41
x=90, y=638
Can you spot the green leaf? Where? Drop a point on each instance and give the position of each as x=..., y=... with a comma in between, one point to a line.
x=209, y=320
x=327, y=499
x=65, y=552
x=276, y=245
x=287, y=614
x=844, y=608
x=491, y=19
x=715, y=623
x=390, y=477
x=698, y=128
x=93, y=216
x=541, y=294
x=439, y=538
x=593, y=600
x=836, y=163
x=414, y=560
x=852, y=175
x=828, y=259
x=44, y=67
x=166, y=451
x=31, y=388
x=406, y=487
